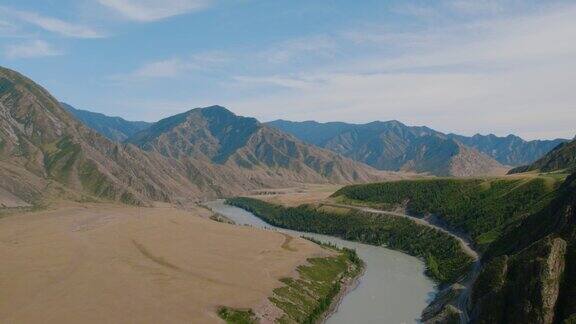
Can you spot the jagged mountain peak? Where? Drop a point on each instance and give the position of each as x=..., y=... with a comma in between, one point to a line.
x=217, y=135
x=211, y=133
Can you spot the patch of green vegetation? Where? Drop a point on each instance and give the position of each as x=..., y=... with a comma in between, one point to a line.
x=444, y=257
x=94, y=181
x=61, y=157
x=308, y=298
x=482, y=208
x=237, y=316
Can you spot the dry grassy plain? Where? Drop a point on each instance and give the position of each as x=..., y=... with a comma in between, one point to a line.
x=292, y=197
x=114, y=264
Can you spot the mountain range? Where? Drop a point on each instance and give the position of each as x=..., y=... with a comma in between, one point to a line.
x=394, y=146
x=390, y=145
x=45, y=152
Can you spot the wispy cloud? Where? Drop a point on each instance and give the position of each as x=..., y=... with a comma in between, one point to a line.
x=477, y=6
x=31, y=49
x=8, y=29
x=54, y=25
x=153, y=10
x=292, y=49
x=4, y=25
x=174, y=67
x=411, y=9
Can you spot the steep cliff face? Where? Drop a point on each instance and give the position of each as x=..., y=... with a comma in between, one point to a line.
x=523, y=288
x=529, y=274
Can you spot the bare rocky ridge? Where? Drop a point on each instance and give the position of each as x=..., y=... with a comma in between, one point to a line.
x=248, y=149
x=45, y=152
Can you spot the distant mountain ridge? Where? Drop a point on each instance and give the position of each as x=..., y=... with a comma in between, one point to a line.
x=510, y=150
x=387, y=145
x=115, y=128
x=392, y=145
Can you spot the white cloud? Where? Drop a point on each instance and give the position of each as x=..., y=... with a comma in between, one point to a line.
x=504, y=76
x=9, y=30
x=31, y=49
x=54, y=25
x=153, y=10
x=160, y=69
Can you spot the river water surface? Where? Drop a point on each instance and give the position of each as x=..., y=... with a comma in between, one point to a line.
x=394, y=289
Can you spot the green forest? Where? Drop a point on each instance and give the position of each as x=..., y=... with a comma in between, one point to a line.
x=481, y=208
x=444, y=258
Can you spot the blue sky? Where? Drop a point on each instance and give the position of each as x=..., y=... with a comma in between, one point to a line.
x=464, y=66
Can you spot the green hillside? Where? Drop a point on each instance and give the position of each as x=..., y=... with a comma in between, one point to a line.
x=480, y=207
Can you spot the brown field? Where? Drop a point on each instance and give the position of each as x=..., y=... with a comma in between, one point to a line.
x=292, y=197
x=115, y=264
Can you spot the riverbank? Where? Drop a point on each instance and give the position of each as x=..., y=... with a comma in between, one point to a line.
x=347, y=287
x=392, y=289
x=311, y=296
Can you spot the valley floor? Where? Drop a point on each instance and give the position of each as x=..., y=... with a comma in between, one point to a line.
x=115, y=264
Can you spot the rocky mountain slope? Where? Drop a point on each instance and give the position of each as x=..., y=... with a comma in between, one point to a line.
x=528, y=275
x=561, y=158
x=45, y=153
x=114, y=128
x=244, y=146
x=395, y=146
